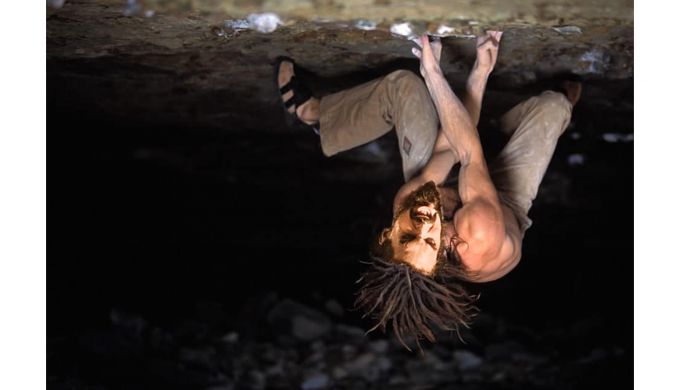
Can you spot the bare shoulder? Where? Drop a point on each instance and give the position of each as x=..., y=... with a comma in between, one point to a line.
x=489, y=253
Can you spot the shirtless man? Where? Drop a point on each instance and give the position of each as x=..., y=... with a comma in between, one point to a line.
x=440, y=235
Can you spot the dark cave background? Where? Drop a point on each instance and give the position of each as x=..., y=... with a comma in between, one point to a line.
x=185, y=255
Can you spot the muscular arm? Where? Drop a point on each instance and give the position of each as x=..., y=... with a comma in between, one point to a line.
x=480, y=222
x=474, y=88
x=487, y=54
x=443, y=157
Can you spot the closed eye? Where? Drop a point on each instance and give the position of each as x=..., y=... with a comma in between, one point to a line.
x=405, y=238
x=431, y=243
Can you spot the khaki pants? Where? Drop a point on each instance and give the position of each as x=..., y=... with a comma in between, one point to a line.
x=359, y=115
x=534, y=127
x=401, y=100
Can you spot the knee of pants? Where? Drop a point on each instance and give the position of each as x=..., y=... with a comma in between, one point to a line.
x=409, y=92
x=555, y=102
x=407, y=80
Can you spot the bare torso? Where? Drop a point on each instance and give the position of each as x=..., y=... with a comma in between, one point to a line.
x=487, y=269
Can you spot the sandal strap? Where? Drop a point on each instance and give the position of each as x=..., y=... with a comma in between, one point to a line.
x=290, y=102
x=300, y=93
x=287, y=87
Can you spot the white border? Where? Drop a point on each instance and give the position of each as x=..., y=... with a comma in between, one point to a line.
x=23, y=195
x=657, y=234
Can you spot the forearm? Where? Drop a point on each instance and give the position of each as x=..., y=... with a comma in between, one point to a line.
x=474, y=88
x=456, y=123
x=474, y=180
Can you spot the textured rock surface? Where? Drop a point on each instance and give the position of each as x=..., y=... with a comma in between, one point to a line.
x=183, y=66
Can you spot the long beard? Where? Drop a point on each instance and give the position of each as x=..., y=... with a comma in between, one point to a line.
x=425, y=195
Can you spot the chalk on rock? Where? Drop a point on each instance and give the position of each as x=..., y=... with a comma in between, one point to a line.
x=237, y=24
x=365, y=25
x=265, y=22
x=132, y=8
x=444, y=30
x=567, y=29
x=403, y=29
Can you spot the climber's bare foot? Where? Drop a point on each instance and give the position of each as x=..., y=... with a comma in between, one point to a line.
x=573, y=91
x=308, y=112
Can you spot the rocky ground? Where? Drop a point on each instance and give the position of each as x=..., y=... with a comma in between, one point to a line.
x=299, y=346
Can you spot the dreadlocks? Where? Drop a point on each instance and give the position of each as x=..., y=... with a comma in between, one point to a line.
x=394, y=291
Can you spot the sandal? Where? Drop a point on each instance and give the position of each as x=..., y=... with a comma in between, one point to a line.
x=300, y=95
